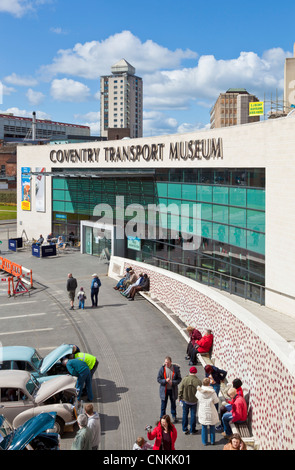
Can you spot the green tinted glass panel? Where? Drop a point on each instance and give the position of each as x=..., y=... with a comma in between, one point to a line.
x=237, y=237
x=58, y=206
x=174, y=190
x=189, y=191
x=58, y=195
x=256, y=242
x=220, y=195
x=237, y=197
x=206, y=211
x=220, y=232
x=58, y=183
x=256, y=199
x=237, y=216
x=220, y=214
x=206, y=229
x=174, y=206
x=189, y=225
x=204, y=193
x=162, y=189
x=256, y=220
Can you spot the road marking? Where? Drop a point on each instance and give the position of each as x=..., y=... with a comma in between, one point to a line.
x=12, y=304
x=22, y=316
x=25, y=331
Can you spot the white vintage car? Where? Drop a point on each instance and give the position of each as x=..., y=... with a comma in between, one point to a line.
x=23, y=397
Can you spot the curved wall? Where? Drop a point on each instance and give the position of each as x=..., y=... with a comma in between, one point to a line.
x=243, y=345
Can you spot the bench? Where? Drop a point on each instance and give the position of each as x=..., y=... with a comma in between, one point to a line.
x=245, y=429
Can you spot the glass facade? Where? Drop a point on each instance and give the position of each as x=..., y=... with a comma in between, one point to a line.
x=225, y=208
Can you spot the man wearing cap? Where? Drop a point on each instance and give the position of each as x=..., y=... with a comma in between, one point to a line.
x=95, y=285
x=187, y=395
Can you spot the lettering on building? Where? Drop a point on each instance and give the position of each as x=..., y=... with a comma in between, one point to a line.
x=196, y=149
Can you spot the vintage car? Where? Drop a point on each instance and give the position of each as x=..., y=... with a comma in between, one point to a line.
x=32, y=435
x=26, y=358
x=23, y=397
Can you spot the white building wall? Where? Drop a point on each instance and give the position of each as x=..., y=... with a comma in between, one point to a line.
x=269, y=144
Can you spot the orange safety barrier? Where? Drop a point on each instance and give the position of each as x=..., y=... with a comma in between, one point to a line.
x=17, y=270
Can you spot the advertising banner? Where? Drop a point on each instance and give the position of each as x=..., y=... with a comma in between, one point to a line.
x=256, y=108
x=26, y=189
x=40, y=190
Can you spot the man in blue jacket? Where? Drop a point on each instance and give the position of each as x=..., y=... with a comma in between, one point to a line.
x=80, y=370
x=95, y=285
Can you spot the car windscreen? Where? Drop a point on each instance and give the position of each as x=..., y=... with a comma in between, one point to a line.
x=32, y=386
x=36, y=360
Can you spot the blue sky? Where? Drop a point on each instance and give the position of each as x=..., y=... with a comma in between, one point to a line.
x=53, y=53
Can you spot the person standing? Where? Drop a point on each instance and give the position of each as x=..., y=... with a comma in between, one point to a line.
x=187, y=395
x=94, y=424
x=169, y=377
x=207, y=412
x=95, y=285
x=71, y=288
x=80, y=370
x=165, y=434
x=90, y=360
x=81, y=297
x=83, y=438
x=216, y=376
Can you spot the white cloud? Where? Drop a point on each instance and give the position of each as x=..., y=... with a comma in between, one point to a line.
x=69, y=90
x=18, y=80
x=58, y=30
x=93, y=59
x=35, y=97
x=178, y=88
x=24, y=113
x=19, y=8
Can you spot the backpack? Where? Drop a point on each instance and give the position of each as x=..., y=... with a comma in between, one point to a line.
x=96, y=284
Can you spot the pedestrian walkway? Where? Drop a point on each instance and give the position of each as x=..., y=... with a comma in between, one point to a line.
x=130, y=340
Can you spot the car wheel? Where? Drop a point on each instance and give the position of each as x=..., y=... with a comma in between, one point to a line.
x=59, y=426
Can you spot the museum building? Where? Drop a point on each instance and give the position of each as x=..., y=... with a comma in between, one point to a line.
x=216, y=206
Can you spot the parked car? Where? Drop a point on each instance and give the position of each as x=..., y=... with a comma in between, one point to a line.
x=26, y=358
x=23, y=397
x=32, y=435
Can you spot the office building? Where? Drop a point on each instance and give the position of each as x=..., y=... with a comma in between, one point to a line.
x=121, y=101
x=18, y=128
x=232, y=108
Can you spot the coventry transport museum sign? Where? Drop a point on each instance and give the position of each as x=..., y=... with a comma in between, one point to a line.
x=183, y=150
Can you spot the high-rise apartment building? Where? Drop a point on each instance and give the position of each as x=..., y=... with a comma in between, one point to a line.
x=232, y=108
x=121, y=100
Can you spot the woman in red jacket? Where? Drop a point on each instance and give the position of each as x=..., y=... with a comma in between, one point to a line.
x=165, y=434
x=205, y=343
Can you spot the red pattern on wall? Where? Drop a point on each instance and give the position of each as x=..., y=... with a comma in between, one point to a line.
x=242, y=353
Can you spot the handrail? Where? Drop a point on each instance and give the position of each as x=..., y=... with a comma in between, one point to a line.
x=262, y=288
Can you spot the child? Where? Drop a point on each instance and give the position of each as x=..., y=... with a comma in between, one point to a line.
x=81, y=297
x=141, y=444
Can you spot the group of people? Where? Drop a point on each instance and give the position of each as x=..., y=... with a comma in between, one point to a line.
x=197, y=398
x=72, y=285
x=131, y=284
x=83, y=366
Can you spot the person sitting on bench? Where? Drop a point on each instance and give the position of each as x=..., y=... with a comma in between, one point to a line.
x=191, y=351
x=144, y=286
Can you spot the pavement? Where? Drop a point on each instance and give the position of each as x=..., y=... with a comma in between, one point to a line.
x=130, y=340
